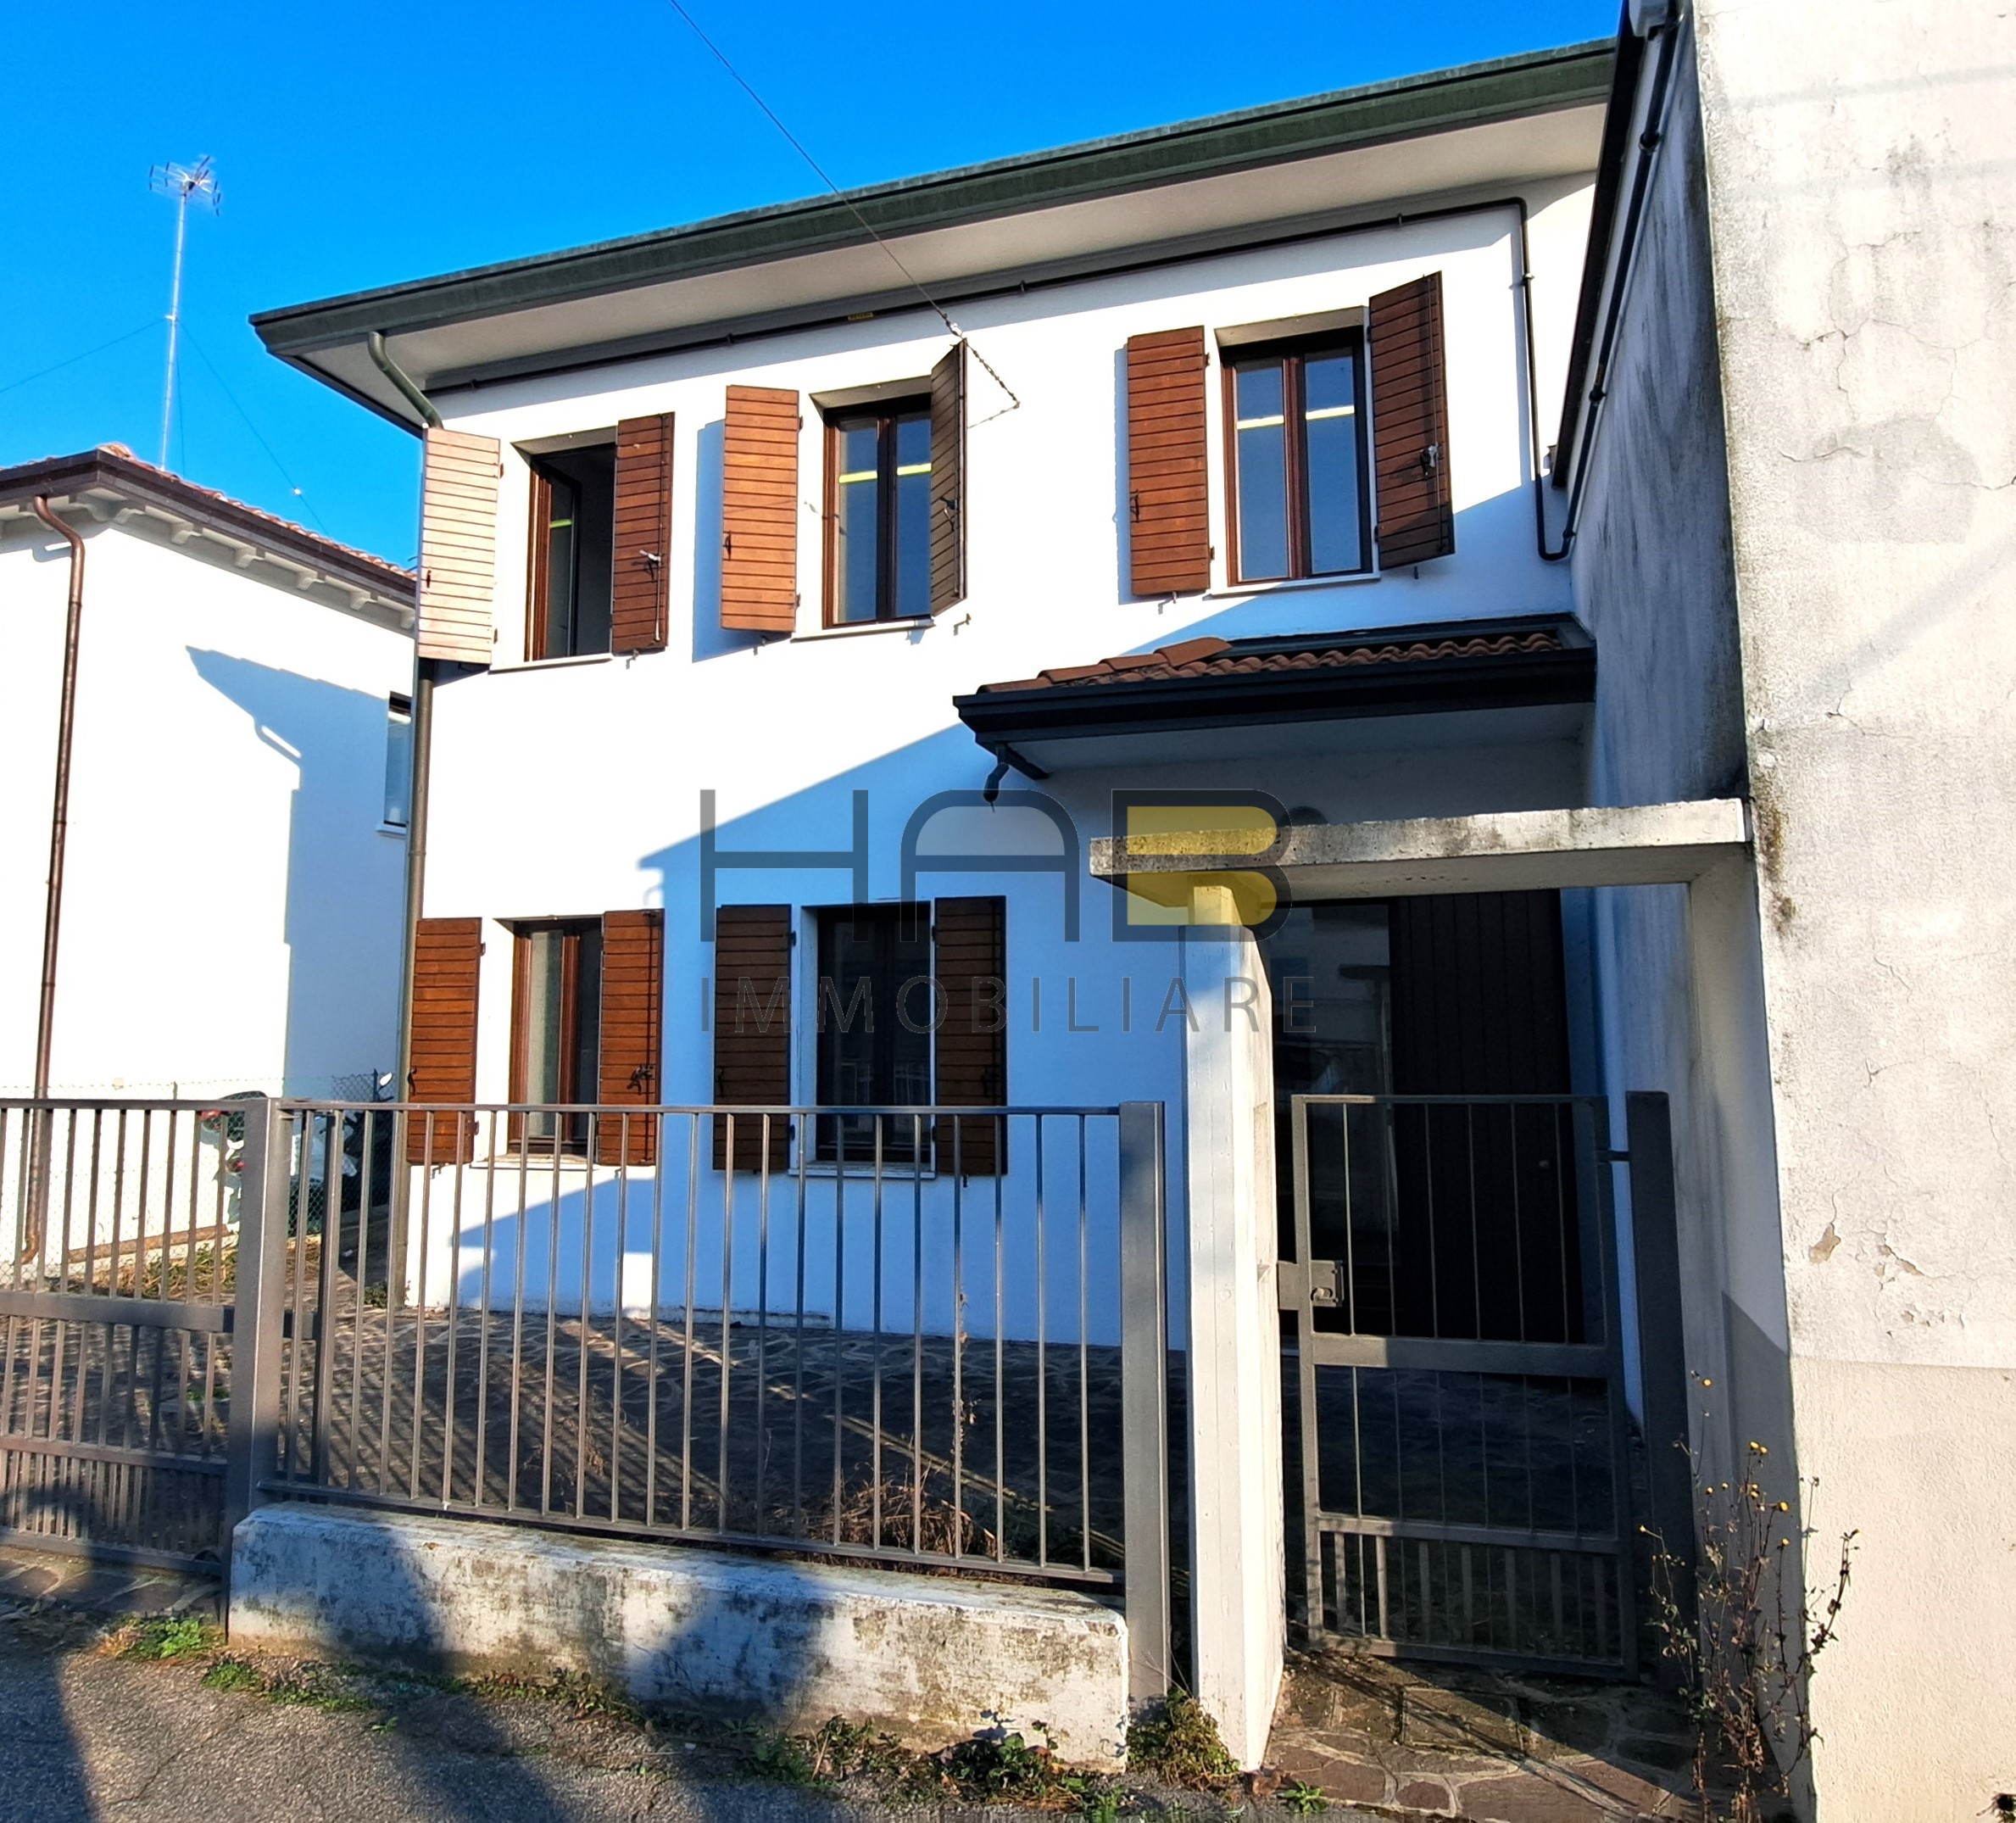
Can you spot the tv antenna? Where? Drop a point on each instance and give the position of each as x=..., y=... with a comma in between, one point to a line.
x=185, y=183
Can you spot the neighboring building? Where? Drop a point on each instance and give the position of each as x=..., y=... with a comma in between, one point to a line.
x=1219, y=548
x=235, y=846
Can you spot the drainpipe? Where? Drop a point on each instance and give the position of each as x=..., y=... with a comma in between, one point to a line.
x=59, y=818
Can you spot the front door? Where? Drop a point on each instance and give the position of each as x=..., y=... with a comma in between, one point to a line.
x=1456, y=1426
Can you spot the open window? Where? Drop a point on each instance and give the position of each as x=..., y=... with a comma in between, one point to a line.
x=573, y=546
x=399, y=760
x=1297, y=504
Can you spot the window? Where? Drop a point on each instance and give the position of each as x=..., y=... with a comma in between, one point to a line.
x=556, y=1029
x=1295, y=440
x=879, y=513
x=399, y=760
x=573, y=545
x=878, y=1006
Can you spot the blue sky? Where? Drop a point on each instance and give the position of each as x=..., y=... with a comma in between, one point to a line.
x=359, y=146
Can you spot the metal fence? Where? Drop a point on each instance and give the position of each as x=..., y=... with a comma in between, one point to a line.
x=854, y=1346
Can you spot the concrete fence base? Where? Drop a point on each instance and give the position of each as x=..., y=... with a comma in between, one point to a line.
x=932, y=1660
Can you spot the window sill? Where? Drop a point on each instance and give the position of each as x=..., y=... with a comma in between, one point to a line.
x=556, y=664
x=916, y=624
x=1301, y=585
x=397, y=830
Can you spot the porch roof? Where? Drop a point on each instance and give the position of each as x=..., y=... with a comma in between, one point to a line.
x=1642, y=845
x=1528, y=662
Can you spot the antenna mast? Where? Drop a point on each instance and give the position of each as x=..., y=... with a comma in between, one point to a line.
x=183, y=183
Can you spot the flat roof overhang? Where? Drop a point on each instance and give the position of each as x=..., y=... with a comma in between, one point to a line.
x=1645, y=844
x=1504, y=697
x=1290, y=169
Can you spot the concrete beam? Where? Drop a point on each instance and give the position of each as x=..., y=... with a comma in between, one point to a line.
x=1644, y=844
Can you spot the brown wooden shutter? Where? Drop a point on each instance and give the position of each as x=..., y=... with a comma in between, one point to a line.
x=633, y=997
x=447, y=960
x=759, y=511
x=640, y=585
x=948, y=480
x=970, y=959
x=1168, y=502
x=1410, y=424
x=752, y=1029
x=458, y=546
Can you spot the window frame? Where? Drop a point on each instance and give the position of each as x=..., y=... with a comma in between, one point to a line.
x=829, y=1147
x=884, y=413
x=1293, y=352
x=538, y=603
x=575, y=1140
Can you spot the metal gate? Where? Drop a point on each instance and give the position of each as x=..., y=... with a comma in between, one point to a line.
x=1456, y=1381
x=125, y=1228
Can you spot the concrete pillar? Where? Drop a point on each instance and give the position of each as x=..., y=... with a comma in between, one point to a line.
x=1238, y=1621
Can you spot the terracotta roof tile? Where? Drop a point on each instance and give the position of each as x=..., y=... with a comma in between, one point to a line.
x=1222, y=658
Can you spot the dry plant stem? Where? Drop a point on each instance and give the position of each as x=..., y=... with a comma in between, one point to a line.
x=1747, y=1652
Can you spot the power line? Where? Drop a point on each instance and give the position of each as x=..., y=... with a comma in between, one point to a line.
x=43, y=372
x=819, y=170
x=272, y=455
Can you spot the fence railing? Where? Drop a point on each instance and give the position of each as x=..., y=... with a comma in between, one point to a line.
x=914, y=1336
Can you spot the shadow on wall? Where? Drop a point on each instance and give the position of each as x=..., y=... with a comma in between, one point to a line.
x=345, y=879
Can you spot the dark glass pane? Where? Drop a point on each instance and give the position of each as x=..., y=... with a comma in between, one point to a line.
x=856, y=552
x=1260, y=434
x=913, y=515
x=586, y=1036
x=874, y=1037
x=1330, y=425
x=594, y=474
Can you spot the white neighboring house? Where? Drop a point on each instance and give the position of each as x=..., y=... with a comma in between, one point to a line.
x=236, y=843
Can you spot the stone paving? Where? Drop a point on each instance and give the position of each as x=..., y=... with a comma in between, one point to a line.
x=1429, y=1741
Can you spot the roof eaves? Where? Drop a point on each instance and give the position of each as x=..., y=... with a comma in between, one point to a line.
x=1476, y=94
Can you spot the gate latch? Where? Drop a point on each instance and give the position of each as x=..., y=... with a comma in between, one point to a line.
x=1326, y=1283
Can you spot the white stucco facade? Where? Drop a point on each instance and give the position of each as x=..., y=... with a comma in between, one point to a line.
x=232, y=890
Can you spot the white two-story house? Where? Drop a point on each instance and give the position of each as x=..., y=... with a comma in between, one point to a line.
x=1086, y=629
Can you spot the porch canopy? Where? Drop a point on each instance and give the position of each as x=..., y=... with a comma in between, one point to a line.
x=1459, y=682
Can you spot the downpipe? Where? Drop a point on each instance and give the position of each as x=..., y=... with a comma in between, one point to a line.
x=59, y=822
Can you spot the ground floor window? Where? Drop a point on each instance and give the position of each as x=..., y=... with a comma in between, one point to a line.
x=556, y=1019
x=877, y=1010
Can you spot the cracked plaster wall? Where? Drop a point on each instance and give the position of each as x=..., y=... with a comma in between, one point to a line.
x=1859, y=170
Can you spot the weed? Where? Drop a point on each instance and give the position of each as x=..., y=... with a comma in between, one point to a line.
x=316, y=1686
x=166, y=1638
x=1304, y=1800
x=232, y=1673
x=1179, y=1742
x=1747, y=1643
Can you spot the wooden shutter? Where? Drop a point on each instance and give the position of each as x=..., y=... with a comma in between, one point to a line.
x=1167, y=473
x=633, y=997
x=1410, y=424
x=948, y=480
x=447, y=959
x=640, y=584
x=458, y=546
x=752, y=1029
x=970, y=959
x=759, y=511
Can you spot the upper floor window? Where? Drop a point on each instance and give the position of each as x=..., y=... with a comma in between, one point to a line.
x=879, y=513
x=573, y=545
x=1298, y=502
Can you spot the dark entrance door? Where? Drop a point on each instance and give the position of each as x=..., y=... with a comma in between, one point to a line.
x=1456, y=1420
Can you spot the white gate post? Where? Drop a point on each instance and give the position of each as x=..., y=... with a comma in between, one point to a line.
x=1237, y=1615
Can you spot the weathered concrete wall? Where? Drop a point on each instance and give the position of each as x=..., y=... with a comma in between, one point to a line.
x=1678, y=969
x=1865, y=247
x=932, y=1658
